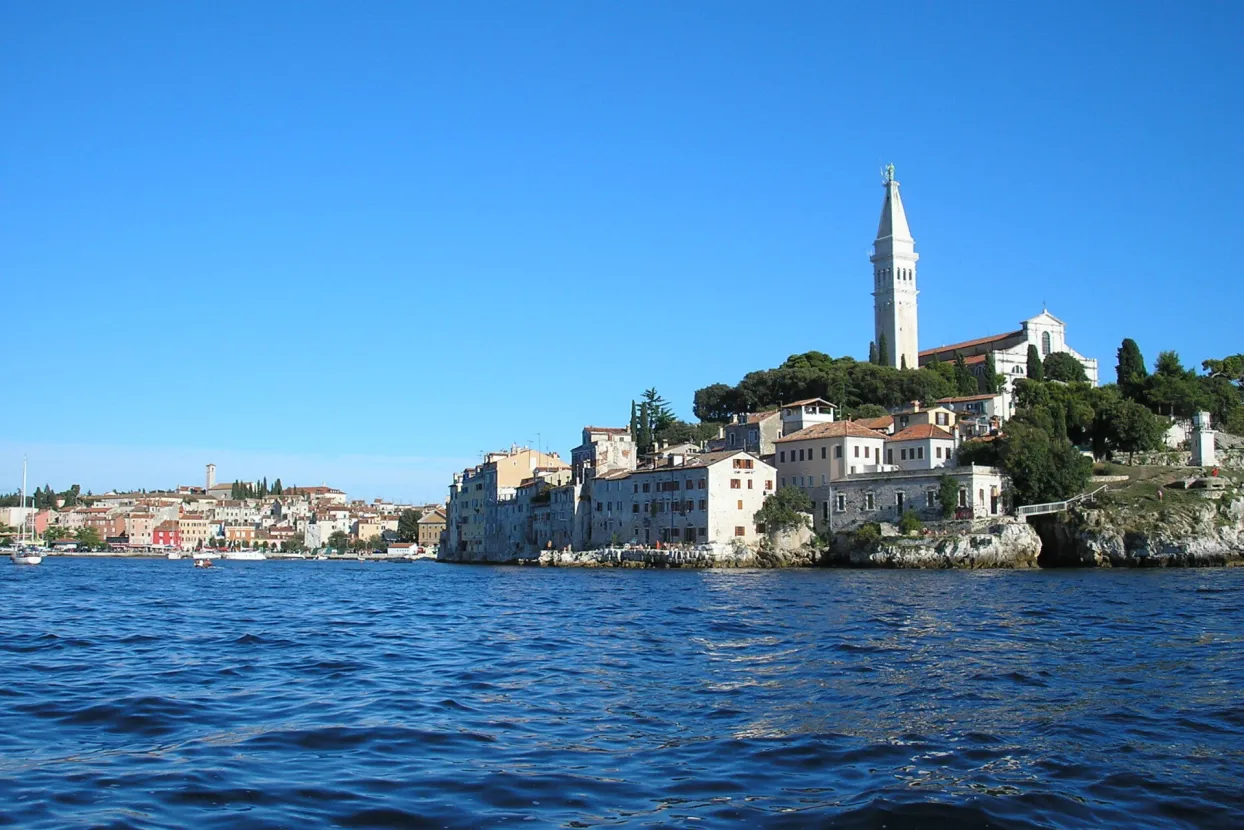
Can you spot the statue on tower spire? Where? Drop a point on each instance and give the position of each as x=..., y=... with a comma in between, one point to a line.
x=887, y=173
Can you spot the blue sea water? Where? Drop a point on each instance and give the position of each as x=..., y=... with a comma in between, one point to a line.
x=139, y=693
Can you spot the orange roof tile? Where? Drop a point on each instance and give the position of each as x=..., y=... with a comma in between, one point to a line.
x=967, y=344
x=920, y=432
x=833, y=429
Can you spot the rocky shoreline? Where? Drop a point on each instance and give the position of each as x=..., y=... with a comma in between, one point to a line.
x=1209, y=533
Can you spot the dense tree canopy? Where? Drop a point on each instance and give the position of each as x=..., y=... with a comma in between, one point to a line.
x=408, y=525
x=784, y=509
x=1064, y=367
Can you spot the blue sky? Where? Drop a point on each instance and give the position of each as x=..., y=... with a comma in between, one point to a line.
x=361, y=243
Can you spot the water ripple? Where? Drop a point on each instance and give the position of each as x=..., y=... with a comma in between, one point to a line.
x=147, y=694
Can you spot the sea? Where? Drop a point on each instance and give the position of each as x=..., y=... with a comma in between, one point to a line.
x=148, y=693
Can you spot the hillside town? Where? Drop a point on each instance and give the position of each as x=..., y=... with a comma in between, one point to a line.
x=614, y=492
x=235, y=516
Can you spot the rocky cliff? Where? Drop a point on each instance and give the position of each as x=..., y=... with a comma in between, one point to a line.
x=1006, y=544
x=1199, y=531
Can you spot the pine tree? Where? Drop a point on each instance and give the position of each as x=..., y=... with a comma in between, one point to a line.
x=1131, y=371
x=872, y=351
x=634, y=421
x=1035, y=370
x=964, y=380
x=883, y=351
x=644, y=439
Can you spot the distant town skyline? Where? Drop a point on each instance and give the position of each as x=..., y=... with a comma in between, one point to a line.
x=366, y=245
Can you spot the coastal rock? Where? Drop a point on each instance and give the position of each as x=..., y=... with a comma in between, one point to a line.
x=1009, y=544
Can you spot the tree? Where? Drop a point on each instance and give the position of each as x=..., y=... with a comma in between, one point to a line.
x=715, y=402
x=948, y=495
x=643, y=440
x=1043, y=468
x=89, y=537
x=277, y=488
x=296, y=542
x=991, y=382
x=408, y=525
x=965, y=381
x=1135, y=429
x=784, y=510
x=1064, y=367
x=338, y=540
x=633, y=424
x=883, y=351
x=1130, y=370
x=910, y=523
x=658, y=410
x=872, y=351
x=1035, y=371
x=377, y=543
x=1173, y=390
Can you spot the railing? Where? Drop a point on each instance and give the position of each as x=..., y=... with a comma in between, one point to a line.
x=1055, y=506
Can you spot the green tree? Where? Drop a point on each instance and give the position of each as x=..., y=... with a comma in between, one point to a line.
x=1064, y=367
x=991, y=382
x=89, y=537
x=1043, y=468
x=1173, y=390
x=965, y=381
x=1133, y=428
x=377, y=543
x=883, y=351
x=947, y=495
x=715, y=402
x=295, y=543
x=1035, y=371
x=872, y=351
x=338, y=540
x=658, y=410
x=408, y=525
x=784, y=509
x=644, y=440
x=1130, y=370
x=910, y=523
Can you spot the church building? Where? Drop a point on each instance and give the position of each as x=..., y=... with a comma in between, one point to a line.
x=894, y=310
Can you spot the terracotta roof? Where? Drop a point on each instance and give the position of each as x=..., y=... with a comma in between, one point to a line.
x=167, y=527
x=611, y=430
x=882, y=423
x=967, y=344
x=807, y=401
x=919, y=432
x=435, y=517
x=833, y=429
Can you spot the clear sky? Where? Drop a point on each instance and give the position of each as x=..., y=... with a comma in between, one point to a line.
x=363, y=242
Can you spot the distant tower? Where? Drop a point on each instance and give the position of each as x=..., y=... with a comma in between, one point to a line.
x=894, y=280
x=211, y=476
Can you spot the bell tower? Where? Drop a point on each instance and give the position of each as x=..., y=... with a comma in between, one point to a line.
x=894, y=282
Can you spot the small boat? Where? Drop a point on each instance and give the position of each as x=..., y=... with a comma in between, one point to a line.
x=203, y=563
x=26, y=557
x=248, y=555
x=174, y=554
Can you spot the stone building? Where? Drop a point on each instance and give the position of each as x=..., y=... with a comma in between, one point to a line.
x=475, y=497
x=431, y=526
x=753, y=432
x=883, y=497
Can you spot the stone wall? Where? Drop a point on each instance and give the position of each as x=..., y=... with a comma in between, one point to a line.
x=1228, y=458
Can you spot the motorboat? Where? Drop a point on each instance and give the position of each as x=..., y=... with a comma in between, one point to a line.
x=203, y=563
x=174, y=554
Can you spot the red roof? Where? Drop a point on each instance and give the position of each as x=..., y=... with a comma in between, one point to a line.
x=833, y=429
x=920, y=432
x=968, y=344
x=882, y=423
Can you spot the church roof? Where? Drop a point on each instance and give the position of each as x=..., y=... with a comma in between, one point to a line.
x=968, y=344
x=893, y=217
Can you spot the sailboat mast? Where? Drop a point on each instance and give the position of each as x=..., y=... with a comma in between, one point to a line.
x=25, y=515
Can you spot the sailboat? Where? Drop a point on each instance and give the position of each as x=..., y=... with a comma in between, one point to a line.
x=25, y=554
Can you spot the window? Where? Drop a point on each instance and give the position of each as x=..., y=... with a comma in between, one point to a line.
x=782, y=457
x=902, y=455
x=645, y=487
x=898, y=501
x=1045, y=343
x=701, y=504
x=825, y=510
x=842, y=502
x=857, y=451
x=869, y=503
x=838, y=451
x=929, y=496
x=702, y=484
x=740, y=504
x=938, y=451
x=801, y=455
x=822, y=453
x=963, y=497
x=824, y=479
x=769, y=484
x=674, y=532
x=740, y=531
x=783, y=481
x=744, y=464
x=732, y=439
x=635, y=507
x=980, y=497
x=749, y=484
x=600, y=506
x=920, y=453
x=636, y=488
x=736, y=484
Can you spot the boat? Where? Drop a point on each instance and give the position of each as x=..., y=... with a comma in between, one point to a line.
x=25, y=554
x=203, y=563
x=244, y=555
x=174, y=554
x=204, y=554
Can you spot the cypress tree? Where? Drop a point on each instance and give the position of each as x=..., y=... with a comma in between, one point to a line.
x=1130, y=371
x=872, y=351
x=1035, y=370
x=883, y=351
x=989, y=383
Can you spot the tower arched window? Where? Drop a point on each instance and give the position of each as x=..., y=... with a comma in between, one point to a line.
x=1045, y=343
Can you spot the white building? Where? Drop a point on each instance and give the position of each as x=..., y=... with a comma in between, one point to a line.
x=894, y=281
x=712, y=498
x=920, y=447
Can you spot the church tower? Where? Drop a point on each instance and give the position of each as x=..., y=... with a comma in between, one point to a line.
x=894, y=281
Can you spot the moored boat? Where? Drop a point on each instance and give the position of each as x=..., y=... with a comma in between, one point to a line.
x=245, y=555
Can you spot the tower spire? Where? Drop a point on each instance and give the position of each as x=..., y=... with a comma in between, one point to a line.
x=894, y=279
